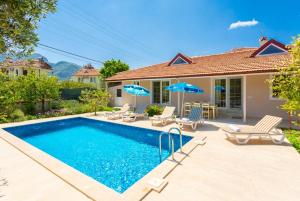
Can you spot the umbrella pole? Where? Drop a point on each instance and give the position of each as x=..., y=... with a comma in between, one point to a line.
x=135, y=103
x=182, y=104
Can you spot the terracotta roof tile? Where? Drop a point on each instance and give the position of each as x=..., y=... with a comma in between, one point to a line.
x=237, y=61
x=87, y=70
x=34, y=63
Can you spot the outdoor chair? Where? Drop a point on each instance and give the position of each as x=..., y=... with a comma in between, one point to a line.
x=166, y=115
x=195, y=117
x=118, y=114
x=265, y=127
x=138, y=113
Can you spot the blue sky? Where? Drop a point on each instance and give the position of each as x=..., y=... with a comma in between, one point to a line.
x=145, y=32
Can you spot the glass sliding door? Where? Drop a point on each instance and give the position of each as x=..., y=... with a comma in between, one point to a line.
x=220, y=92
x=235, y=94
x=165, y=92
x=160, y=95
x=156, y=92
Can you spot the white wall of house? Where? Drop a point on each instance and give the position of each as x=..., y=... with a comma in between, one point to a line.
x=259, y=100
x=89, y=79
x=257, y=95
x=17, y=71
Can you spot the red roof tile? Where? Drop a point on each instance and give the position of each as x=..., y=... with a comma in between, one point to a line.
x=87, y=70
x=31, y=63
x=238, y=61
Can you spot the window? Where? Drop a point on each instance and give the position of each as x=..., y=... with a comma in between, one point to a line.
x=119, y=93
x=93, y=79
x=220, y=92
x=136, y=82
x=160, y=95
x=25, y=72
x=235, y=93
x=179, y=60
x=271, y=50
x=17, y=72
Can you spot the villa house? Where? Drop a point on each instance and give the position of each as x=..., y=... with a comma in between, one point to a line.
x=23, y=67
x=88, y=74
x=242, y=74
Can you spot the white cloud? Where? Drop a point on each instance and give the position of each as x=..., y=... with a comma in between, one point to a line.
x=239, y=24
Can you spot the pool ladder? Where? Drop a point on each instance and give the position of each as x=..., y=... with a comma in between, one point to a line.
x=170, y=141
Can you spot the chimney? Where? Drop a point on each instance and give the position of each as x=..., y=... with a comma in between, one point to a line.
x=263, y=40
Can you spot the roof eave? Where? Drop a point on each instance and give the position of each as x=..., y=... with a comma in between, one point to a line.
x=192, y=75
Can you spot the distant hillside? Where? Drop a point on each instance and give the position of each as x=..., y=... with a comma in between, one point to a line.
x=64, y=70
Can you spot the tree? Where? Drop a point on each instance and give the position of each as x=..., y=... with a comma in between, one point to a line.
x=97, y=99
x=9, y=94
x=47, y=89
x=287, y=83
x=18, y=21
x=28, y=91
x=112, y=67
x=38, y=89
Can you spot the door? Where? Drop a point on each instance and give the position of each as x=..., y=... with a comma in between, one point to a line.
x=235, y=93
x=118, y=97
x=228, y=93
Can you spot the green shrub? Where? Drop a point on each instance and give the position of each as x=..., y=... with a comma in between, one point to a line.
x=68, y=84
x=107, y=108
x=152, y=110
x=3, y=118
x=294, y=137
x=31, y=117
x=17, y=115
x=75, y=107
x=56, y=105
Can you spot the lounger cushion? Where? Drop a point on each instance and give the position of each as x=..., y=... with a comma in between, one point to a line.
x=234, y=128
x=243, y=130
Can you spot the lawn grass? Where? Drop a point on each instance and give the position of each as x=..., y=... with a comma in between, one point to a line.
x=294, y=137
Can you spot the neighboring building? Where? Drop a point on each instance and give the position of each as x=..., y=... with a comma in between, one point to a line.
x=23, y=67
x=88, y=74
x=242, y=72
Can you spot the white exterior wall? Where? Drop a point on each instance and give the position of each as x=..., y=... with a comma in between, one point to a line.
x=87, y=79
x=258, y=101
x=17, y=71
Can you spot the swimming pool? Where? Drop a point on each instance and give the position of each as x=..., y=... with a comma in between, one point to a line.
x=113, y=154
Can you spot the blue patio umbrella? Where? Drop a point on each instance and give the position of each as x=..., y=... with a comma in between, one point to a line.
x=136, y=90
x=219, y=88
x=184, y=88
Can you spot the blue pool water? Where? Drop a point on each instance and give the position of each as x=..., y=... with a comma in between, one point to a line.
x=113, y=154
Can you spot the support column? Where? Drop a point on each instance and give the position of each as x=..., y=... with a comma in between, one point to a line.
x=178, y=101
x=244, y=98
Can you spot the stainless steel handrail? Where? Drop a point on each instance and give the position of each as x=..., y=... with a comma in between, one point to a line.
x=170, y=143
x=180, y=135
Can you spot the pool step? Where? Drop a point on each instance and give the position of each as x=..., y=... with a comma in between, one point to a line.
x=157, y=184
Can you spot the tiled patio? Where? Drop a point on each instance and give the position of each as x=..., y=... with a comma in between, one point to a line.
x=218, y=170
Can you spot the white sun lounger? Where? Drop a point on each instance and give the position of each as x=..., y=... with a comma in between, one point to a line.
x=132, y=116
x=265, y=127
x=118, y=114
x=195, y=117
x=164, y=117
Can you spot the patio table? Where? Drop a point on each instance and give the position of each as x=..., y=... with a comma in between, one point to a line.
x=211, y=108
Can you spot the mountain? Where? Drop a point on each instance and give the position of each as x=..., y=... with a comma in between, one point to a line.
x=64, y=70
